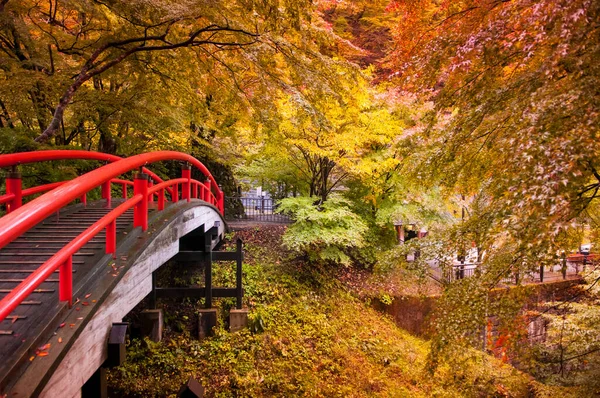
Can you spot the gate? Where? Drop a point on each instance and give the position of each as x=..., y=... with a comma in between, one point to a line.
x=257, y=209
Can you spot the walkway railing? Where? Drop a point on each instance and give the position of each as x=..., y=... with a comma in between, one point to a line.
x=21, y=218
x=542, y=274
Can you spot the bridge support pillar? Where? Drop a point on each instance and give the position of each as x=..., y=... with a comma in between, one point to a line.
x=191, y=389
x=238, y=319
x=207, y=320
x=152, y=324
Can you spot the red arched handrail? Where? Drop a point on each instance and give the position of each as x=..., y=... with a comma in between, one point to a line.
x=48, y=187
x=15, y=159
x=62, y=261
x=23, y=218
x=27, y=216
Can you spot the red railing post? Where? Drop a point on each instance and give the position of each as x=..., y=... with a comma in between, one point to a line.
x=206, y=197
x=161, y=199
x=65, y=281
x=106, y=194
x=111, y=238
x=83, y=199
x=124, y=188
x=221, y=200
x=14, y=185
x=186, y=172
x=193, y=190
x=150, y=184
x=175, y=193
x=140, y=212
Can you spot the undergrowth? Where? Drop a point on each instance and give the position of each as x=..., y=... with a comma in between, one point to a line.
x=308, y=336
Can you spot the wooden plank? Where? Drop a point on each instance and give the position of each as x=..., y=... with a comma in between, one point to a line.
x=13, y=318
x=35, y=291
x=78, y=223
x=62, y=227
x=55, y=234
x=21, y=271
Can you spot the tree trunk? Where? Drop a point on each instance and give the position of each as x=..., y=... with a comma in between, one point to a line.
x=38, y=100
x=6, y=116
x=54, y=125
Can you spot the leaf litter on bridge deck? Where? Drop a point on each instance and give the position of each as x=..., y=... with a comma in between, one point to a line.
x=310, y=336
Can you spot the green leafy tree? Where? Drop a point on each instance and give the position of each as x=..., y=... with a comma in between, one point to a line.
x=326, y=232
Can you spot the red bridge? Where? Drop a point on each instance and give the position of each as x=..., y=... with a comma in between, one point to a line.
x=70, y=268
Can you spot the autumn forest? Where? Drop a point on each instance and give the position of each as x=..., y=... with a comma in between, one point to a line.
x=472, y=125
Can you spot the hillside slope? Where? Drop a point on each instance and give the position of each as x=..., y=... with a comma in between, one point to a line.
x=310, y=337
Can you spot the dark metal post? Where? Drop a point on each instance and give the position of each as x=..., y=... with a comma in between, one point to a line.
x=208, y=270
x=541, y=273
x=152, y=303
x=238, y=274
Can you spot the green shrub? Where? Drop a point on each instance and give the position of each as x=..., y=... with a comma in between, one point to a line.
x=326, y=232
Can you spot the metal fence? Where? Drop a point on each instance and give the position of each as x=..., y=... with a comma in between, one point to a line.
x=543, y=274
x=257, y=209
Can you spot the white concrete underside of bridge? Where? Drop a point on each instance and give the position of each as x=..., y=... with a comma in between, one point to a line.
x=89, y=351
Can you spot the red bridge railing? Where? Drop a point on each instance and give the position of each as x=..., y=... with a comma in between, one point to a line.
x=21, y=218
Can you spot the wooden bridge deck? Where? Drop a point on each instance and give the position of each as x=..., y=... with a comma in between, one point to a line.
x=39, y=316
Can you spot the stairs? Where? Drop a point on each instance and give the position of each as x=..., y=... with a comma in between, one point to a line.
x=23, y=328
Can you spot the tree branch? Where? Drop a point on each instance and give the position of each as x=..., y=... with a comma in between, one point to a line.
x=96, y=65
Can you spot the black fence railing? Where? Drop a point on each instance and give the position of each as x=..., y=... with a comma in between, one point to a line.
x=257, y=209
x=543, y=274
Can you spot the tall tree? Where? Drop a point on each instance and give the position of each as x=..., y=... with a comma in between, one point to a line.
x=211, y=65
x=515, y=88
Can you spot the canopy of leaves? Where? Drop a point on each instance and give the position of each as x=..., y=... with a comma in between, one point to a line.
x=128, y=76
x=516, y=106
